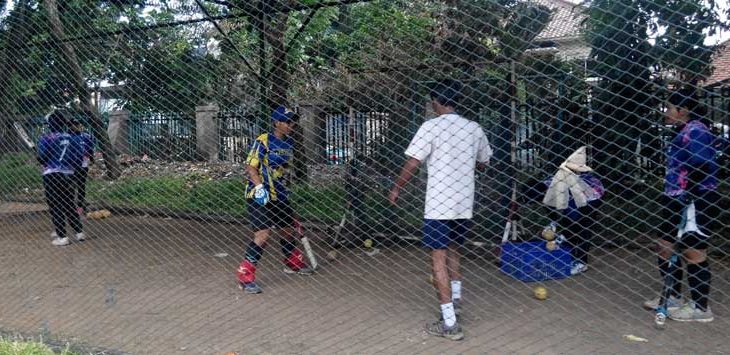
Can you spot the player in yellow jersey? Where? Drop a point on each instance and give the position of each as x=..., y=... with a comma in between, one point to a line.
x=267, y=194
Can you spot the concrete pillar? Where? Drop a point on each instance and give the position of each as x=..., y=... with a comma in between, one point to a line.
x=207, y=144
x=313, y=130
x=118, y=131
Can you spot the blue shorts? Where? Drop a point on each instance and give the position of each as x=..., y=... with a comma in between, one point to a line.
x=440, y=233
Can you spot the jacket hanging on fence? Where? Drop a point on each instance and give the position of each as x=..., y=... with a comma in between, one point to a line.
x=567, y=183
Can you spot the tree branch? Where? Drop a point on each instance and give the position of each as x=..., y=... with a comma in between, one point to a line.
x=221, y=2
x=301, y=29
x=249, y=9
x=226, y=38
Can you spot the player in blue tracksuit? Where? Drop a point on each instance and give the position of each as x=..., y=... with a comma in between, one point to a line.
x=60, y=155
x=691, y=176
x=86, y=144
x=267, y=165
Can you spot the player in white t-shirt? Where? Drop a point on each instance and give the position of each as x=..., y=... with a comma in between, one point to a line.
x=452, y=148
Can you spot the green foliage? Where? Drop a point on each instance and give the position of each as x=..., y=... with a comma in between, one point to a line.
x=168, y=69
x=16, y=347
x=19, y=172
x=160, y=70
x=625, y=59
x=380, y=32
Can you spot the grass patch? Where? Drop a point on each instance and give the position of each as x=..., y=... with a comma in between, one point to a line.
x=172, y=193
x=189, y=194
x=223, y=196
x=139, y=192
x=624, y=217
x=18, y=172
x=321, y=204
x=14, y=347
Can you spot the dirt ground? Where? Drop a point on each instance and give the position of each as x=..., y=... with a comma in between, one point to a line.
x=147, y=285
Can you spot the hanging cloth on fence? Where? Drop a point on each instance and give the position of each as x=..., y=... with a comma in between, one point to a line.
x=566, y=183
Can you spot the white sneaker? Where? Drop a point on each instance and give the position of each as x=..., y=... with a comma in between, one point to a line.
x=54, y=235
x=690, y=313
x=59, y=242
x=578, y=268
x=673, y=303
x=80, y=237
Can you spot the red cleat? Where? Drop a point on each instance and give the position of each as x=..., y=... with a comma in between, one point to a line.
x=246, y=272
x=295, y=264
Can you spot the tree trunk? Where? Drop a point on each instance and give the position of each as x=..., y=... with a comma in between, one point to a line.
x=279, y=77
x=9, y=139
x=82, y=91
x=271, y=18
x=279, y=72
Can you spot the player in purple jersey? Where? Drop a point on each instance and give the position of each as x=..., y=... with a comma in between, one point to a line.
x=60, y=155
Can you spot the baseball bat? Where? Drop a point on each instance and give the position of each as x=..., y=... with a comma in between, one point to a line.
x=307, y=246
x=662, y=311
x=688, y=224
x=336, y=238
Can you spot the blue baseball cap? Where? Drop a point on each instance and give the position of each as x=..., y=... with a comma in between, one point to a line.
x=283, y=114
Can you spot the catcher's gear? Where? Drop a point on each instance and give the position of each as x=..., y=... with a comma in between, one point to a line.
x=246, y=272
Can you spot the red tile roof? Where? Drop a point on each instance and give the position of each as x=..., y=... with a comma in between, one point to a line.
x=721, y=65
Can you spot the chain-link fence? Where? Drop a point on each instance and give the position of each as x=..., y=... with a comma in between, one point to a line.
x=524, y=176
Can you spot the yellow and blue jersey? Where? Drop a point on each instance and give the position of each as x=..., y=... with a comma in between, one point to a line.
x=272, y=157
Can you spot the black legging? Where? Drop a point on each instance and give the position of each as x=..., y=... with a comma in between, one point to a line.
x=60, y=190
x=579, y=228
x=79, y=177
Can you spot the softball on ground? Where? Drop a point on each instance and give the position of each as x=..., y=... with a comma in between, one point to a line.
x=548, y=234
x=540, y=293
x=331, y=255
x=551, y=245
x=94, y=215
x=430, y=279
x=368, y=243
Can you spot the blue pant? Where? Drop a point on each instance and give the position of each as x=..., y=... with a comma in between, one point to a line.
x=440, y=233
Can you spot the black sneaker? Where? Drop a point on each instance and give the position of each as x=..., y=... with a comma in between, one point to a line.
x=439, y=329
x=305, y=271
x=457, y=307
x=251, y=287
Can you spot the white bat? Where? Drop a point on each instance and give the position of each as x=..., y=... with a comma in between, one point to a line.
x=338, y=230
x=307, y=247
x=23, y=134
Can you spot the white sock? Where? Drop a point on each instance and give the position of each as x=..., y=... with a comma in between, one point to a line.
x=456, y=290
x=449, y=316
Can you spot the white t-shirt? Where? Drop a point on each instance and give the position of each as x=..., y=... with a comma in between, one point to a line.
x=450, y=146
